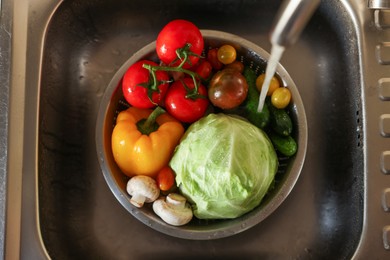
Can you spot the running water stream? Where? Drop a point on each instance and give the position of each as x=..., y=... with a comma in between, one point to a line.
x=289, y=23
x=276, y=55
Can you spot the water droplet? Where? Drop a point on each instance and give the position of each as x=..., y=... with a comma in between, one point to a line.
x=115, y=52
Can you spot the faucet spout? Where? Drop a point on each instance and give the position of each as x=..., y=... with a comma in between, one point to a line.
x=291, y=19
x=379, y=4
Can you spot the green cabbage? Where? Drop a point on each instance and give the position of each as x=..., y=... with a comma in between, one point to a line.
x=224, y=166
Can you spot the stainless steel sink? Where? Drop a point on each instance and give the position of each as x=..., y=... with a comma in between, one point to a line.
x=63, y=57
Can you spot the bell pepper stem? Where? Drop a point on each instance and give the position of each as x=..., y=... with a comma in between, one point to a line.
x=149, y=125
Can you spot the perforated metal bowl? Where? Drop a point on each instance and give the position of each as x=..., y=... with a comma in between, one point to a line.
x=289, y=168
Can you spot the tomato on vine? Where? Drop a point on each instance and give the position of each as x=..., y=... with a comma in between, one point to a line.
x=212, y=57
x=138, y=88
x=204, y=69
x=235, y=65
x=179, y=43
x=184, y=102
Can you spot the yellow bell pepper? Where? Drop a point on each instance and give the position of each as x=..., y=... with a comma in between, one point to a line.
x=143, y=140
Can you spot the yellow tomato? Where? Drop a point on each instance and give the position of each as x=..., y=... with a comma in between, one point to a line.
x=281, y=97
x=226, y=54
x=274, y=84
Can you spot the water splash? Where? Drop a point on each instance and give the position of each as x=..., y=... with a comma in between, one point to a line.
x=276, y=55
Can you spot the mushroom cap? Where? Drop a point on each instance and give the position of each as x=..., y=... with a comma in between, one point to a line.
x=145, y=186
x=173, y=210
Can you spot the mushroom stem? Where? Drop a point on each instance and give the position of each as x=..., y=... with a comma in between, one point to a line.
x=137, y=200
x=142, y=189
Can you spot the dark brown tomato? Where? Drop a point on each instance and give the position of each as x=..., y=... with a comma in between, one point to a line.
x=227, y=89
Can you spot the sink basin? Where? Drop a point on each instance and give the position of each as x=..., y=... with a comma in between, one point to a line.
x=74, y=49
x=86, y=44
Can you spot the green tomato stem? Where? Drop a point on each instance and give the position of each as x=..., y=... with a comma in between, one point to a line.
x=191, y=93
x=183, y=54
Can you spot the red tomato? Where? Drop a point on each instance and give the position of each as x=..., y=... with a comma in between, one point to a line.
x=212, y=57
x=135, y=85
x=184, y=108
x=175, y=35
x=235, y=65
x=165, y=178
x=204, y=69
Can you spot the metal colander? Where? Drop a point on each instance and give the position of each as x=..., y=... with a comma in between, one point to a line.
x=289, y=168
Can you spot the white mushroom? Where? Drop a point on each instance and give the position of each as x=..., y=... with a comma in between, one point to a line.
x=173, y=209
x=142, y=189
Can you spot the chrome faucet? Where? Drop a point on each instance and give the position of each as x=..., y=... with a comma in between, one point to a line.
x=379, y=4
x=291, y=19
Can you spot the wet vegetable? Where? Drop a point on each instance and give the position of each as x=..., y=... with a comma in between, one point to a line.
x=185, y=104
x=281, y=121
x=224, y=165
x=227, y=89
x=236, y=65
x=204, y=69
x=143, y=140
x=165, y=178
x=226, y=54
x=138, y=89
x=212, y=57
x=281, y=97
x=179, y=43
x=274, y=84
x=259, y=119
x=286, y=145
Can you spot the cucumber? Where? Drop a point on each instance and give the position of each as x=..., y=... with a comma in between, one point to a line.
x=259, y=119
x=281, y=122
x=286, y=145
